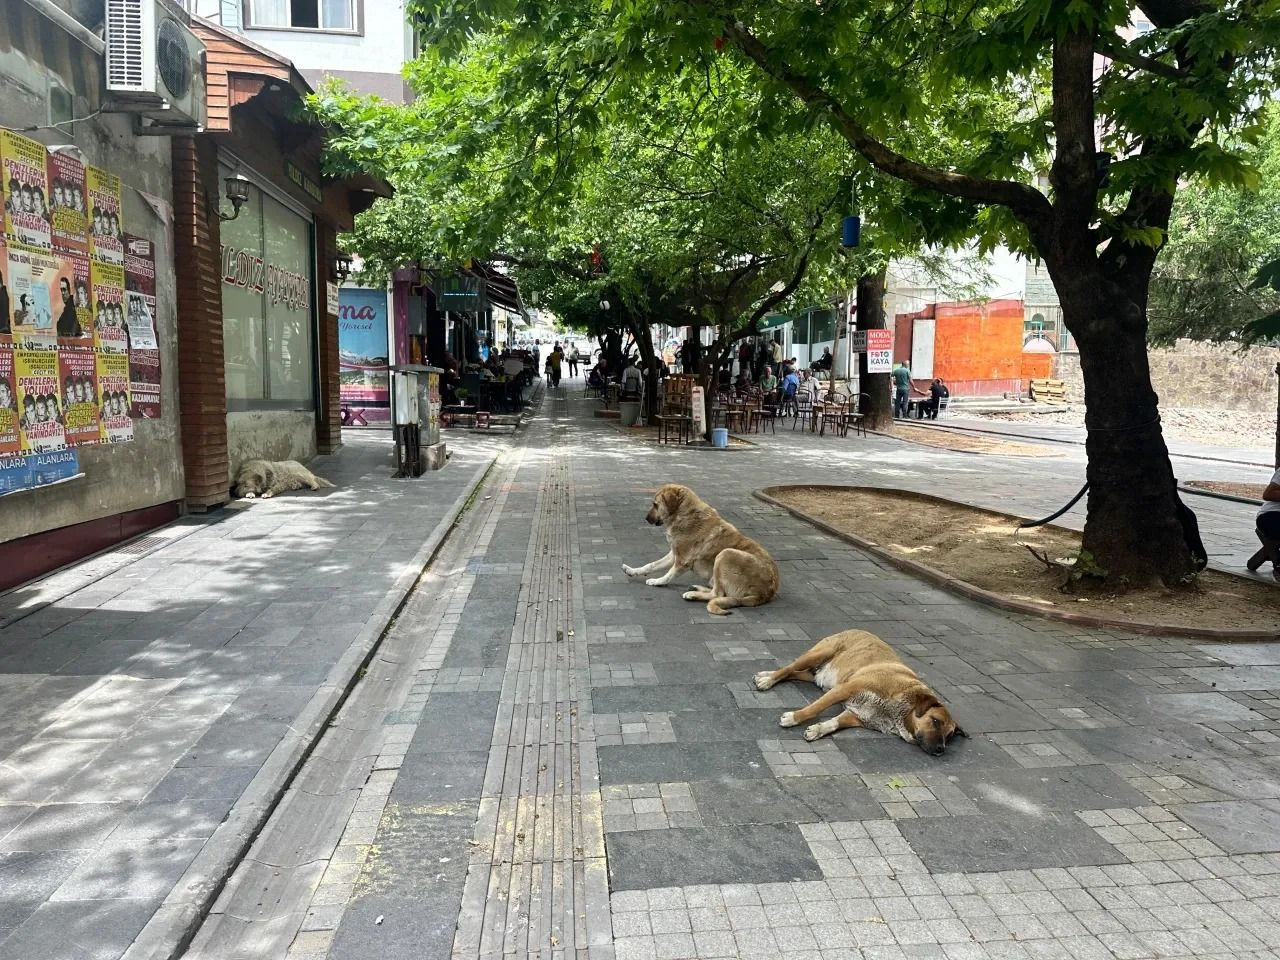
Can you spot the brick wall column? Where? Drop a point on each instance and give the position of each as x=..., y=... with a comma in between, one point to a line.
x=328, y=408
x=202, y=390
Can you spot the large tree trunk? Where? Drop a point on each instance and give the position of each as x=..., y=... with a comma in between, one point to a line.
x=1133, y=533
x=879, y=409
x=642, y=331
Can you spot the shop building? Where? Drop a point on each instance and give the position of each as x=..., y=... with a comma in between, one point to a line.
x=258, y=268
x=100, y=489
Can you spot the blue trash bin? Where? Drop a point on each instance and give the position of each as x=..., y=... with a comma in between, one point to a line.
x=720, y=437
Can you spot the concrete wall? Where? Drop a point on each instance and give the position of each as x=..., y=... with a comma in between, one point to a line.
x=270, y=435
x=1198, y=375
x=119, y=477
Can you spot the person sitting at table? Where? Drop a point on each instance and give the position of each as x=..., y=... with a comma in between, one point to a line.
x=790, y=387
x=937, y=393
x=768, y=382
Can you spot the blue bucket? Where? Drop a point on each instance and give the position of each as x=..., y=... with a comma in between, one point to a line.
x=720, y=437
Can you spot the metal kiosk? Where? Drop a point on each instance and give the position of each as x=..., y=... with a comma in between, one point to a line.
x=415, y=419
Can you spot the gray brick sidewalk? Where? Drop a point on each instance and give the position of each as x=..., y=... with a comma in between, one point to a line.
x=539, y=719
x=152, y=713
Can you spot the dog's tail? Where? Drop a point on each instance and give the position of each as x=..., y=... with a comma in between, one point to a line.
x=721, y=605
x=321, y=482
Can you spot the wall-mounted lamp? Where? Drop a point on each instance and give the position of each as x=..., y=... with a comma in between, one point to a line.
x=237, y=191
x=604, y=304
x=341, y=266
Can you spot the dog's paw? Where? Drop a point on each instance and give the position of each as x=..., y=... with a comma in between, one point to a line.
x=251, y=496
x=815, y=732
x=629, y=571
x=692, y=595
x=788, y=719
x=267, y=494
x=763, y=680
x=656, y=582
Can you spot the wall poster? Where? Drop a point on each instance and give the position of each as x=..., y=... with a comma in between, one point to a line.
x=67, y=208
x=39, y=405
x=113, y=386
x=24, y=179
x=79, y=352
x=79, y=380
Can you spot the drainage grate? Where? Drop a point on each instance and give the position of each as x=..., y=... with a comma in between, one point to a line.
x=142, y=545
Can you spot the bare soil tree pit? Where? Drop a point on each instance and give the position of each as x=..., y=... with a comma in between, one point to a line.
x=965, y=443
x=1246, y=491
x=984, y=549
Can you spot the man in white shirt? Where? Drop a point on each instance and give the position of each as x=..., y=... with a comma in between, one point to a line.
x=1268, y=527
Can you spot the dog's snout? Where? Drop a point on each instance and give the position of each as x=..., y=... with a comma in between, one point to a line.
x=939, y=750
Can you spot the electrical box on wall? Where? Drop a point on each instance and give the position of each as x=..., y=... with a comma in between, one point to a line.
x=155, y=65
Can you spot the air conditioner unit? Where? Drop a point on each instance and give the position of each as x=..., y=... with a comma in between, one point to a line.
x=155, y=64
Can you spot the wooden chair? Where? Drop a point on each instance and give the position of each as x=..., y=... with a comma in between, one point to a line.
x=802, y=408
x=854, y=416
x=674, y=428
x=761, y=415
x=833, y=415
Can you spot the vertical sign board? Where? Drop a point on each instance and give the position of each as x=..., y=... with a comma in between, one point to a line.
x=362, y=351
x=879, y=351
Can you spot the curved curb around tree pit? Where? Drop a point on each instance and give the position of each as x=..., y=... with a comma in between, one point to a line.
x=966, y=589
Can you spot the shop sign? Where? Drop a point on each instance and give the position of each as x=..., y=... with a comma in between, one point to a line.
x=362, y=347
x=247, y=270
x=331, y=295
x=879, y=351
x=459, y=292
x=303, y=182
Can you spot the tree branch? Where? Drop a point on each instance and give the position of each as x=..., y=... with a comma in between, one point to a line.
x=1027, y=203
x=1114, y=47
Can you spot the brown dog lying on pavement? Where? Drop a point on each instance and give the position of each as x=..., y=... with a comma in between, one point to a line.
x=741, y=572
x=862, y=672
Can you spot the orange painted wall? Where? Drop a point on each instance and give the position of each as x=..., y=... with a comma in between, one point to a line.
x=978, y=341
x=1037, y=366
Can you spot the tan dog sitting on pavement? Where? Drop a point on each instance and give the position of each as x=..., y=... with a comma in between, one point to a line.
x=862, y=672
x=740, y=571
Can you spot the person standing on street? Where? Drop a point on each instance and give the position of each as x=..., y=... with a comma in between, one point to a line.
x=901, y=389
x=574, y=357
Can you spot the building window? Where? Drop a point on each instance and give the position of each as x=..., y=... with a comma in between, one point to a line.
x=339, y=15
x=266, y=307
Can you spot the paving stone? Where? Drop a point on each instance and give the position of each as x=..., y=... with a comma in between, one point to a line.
x=128, y=869
x=1237, y=826
x=1029, y=842
x=762, y=853
x=652, y=763
x=30, y=877
x=1031, y=791
x=64, y=826
x=437, y=777
x=99, y=930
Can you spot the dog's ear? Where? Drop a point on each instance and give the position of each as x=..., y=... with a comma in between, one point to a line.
x=922, y=700
x=959, y=732
x=672, y=497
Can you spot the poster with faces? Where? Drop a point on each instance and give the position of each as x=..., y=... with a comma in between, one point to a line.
x=39, y=403
x=113, y=395
x=10, y=438
x=24, y=182
x=110, y=334
x=67, y=204
x=106, y=233
x=78, y=378
x=74, y=324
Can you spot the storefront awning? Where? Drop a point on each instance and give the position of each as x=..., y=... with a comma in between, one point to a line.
x=774, y=320
x=500, y=289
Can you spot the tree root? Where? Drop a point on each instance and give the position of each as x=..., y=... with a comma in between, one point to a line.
x=1068, y=572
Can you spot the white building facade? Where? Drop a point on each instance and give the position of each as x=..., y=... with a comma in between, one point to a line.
x=364, y=42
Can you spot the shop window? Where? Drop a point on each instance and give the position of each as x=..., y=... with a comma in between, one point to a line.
x=304, y=14
x=268, y=340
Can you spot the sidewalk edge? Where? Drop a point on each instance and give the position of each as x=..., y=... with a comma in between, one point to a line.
x=973, y=592
x=169, y=931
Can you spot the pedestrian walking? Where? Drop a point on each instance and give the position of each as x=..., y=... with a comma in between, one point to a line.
x=574, y=358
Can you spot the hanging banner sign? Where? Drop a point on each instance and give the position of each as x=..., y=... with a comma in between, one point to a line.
x=877, y=345
x=459, y=292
